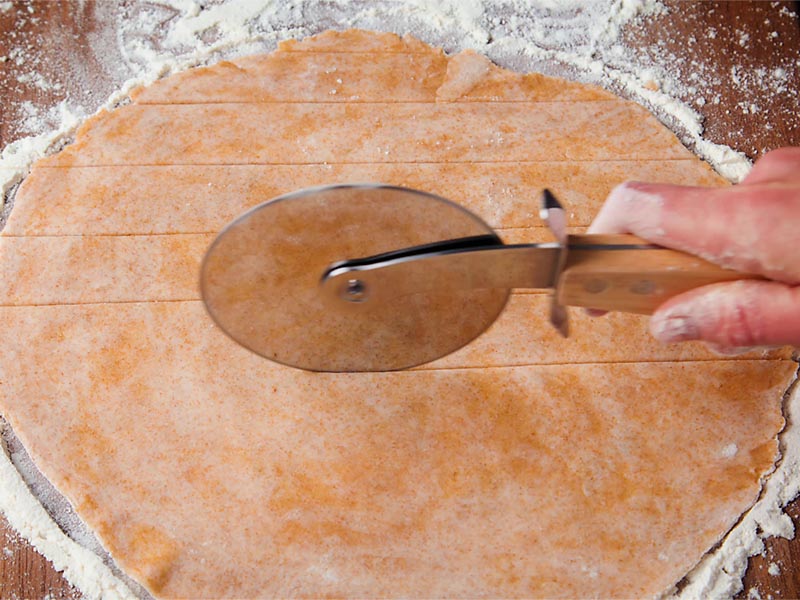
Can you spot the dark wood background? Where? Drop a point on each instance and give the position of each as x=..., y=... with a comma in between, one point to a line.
x=760, y=112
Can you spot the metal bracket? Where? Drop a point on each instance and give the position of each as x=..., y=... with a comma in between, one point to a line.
x=554, y=216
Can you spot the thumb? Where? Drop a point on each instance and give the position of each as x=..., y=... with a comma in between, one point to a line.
x=738, y=314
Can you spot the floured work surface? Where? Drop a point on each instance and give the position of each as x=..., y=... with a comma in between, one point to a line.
x=523, y=465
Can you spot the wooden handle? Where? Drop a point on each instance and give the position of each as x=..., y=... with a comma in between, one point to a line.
x=632, y=280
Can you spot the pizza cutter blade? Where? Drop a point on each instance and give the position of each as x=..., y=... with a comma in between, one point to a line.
x=260, y=280
x=379, y=278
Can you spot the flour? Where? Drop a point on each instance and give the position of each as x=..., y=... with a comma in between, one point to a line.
x=569, y=38
x=580, y=40
x=83, y=568
x=720, y=573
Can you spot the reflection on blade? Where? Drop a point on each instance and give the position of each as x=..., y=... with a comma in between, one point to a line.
x=261, y=280
x=430, y=268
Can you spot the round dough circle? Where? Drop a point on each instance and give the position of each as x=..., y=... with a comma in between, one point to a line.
x=522, y=465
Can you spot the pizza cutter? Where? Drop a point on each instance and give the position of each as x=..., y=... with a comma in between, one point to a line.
x=378, y=278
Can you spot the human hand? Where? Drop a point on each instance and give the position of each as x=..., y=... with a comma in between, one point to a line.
x=752, y=227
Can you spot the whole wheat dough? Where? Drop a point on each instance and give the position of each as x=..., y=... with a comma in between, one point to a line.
x=523, y=465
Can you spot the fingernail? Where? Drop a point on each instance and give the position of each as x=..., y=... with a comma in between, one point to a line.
x=678, y=328
x=730, y=350
x=738, y=350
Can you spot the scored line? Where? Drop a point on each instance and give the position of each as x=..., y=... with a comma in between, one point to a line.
x=100, y=303
x=497, y=228
x=399, y=162
x=453, y=368
x=371, y=102
x=362, y=162
x=596, y=362
x=514, y=292
x=104, y=235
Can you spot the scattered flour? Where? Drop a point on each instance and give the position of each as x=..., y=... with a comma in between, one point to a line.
x=571, y=38
x=82, y=568
x=719, y=574
x=581, y=40
x=729, y=451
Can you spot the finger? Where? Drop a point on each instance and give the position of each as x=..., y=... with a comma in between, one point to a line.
x=740, y=314
x=746, y=227
x=780, y=165
x=617, y=216
x=630, y=208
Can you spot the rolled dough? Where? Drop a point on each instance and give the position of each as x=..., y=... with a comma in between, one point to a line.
x=521, y=466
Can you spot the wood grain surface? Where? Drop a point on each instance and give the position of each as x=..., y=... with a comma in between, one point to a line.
x=750, y=40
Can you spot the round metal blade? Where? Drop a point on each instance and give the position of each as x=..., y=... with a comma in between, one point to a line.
x=260, y=280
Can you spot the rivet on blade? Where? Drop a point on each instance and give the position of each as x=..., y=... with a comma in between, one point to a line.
x=356, y=291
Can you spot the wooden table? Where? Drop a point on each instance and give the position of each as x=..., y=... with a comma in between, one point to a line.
x=747, y=37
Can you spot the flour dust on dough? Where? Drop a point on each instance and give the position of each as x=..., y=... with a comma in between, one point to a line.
x=523, y=465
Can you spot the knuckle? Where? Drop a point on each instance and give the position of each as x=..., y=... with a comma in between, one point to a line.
x=740, y=325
